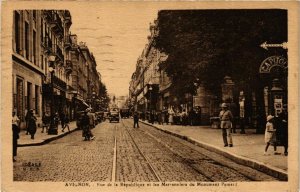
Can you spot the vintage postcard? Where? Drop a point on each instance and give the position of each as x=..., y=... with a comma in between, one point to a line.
x=149, y=96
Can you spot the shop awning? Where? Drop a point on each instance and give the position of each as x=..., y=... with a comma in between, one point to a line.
x=81, y=104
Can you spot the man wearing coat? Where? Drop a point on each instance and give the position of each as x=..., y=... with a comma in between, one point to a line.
x=226, y=125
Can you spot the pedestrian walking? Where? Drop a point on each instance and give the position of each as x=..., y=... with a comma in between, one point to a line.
x=85, y=124
x=45, y=122
x=66, y=124
x=136, y=120
x=270, y=135
x=32, y=124
x=226, y=125
x=282, y=130
x=167, y=117
x=184, y=116
x=171, y=116
x=191, y=117
x=62, y=120
x=56, y=120
x=16, y=131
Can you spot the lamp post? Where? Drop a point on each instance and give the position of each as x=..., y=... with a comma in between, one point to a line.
x=150, y=101
x=74, y=104
x=150, y=92
x=52, y=129
x=93, y=100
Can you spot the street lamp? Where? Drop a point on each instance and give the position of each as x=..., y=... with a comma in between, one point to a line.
x=74, y=92
x=93, y=100
x=150, y=92
x=52, y=129
x=150, y=101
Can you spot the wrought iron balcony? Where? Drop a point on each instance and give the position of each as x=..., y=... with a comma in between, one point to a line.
x=56, y=25
x=47, y=44
x=48, y=15
x=68, y=18
x=59, y=83
x=67, y=42
x=59, y=54
x=69, y=67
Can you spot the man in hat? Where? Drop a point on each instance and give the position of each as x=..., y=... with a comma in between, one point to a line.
x=135, y=120
x=226, y=125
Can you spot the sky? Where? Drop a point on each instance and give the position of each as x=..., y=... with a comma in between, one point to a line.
x=116, y=35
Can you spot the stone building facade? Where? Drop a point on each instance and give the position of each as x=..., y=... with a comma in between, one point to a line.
x=39, y=35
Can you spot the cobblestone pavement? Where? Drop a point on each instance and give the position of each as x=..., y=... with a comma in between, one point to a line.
x=123, y=154
x=69, y=158
x=131, y=164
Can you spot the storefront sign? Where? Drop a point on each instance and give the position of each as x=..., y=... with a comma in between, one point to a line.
x=271, y=62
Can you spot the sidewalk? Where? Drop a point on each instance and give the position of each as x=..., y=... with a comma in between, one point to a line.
x=43, y=138
x=248, y=149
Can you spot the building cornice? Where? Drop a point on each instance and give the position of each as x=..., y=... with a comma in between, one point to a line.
x=21, y=60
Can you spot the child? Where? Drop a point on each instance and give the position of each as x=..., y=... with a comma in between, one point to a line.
x=270, y=134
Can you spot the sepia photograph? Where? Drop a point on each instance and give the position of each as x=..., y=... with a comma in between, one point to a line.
x=144, y=96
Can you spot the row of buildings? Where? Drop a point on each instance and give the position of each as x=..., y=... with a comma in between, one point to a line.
x=50, y=65
x=151, y=88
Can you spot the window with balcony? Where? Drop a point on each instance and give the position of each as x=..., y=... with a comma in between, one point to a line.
x=42, y=61
x=34, y=17
x=37, y=90
x=26, y=40
x=17, y=32
x=34, y=48
x=42, y=31
x=46, y=66
x=34, y=14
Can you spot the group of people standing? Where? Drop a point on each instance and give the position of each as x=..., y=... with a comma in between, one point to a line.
x=176, y=116
x=30, y=128
x=57, y=118
x=276, y=131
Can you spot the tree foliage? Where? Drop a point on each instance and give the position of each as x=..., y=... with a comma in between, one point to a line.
x=203, y=46
x=104, y=96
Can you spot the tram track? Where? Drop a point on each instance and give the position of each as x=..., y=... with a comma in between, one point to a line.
x=142, y=154
x=173, y=153
x=114, y=165
x=201, y=162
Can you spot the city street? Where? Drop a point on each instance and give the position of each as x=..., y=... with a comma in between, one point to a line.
x=121, y=153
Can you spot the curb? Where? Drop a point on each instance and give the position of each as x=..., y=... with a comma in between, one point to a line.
x=47, y=140
x=270, y=170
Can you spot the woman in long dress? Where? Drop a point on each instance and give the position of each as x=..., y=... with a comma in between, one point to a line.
x=171, y=116
x=32, y=124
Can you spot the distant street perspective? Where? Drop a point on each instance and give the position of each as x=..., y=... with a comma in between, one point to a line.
x=150, y=95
